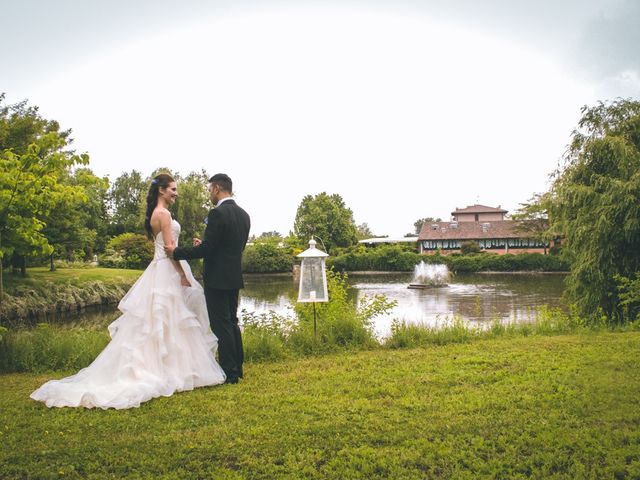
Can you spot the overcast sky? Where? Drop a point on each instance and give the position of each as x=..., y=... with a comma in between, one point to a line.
x=406, y=109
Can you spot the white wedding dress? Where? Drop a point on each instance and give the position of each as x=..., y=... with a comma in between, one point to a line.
x=161, y=344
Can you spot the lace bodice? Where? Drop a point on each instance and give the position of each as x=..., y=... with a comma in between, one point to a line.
x=159, y=240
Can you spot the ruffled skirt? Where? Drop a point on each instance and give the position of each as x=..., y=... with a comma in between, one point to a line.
x=161, y=344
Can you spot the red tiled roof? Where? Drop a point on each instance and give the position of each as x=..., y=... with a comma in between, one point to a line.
x=478, y=209
x=470, y=230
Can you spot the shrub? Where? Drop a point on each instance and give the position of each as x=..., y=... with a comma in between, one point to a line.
x=266, y=258
x=394, y=258
x=629, y=292
x=128, y=250
x=389, y=258
x=340, y=323
x=505, y=263
x=469, y=247
x=264, y=336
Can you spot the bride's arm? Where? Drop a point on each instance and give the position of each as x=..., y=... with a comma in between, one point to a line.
x=167, y=236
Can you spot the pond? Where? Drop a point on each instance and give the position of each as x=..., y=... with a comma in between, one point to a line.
x=479, y=299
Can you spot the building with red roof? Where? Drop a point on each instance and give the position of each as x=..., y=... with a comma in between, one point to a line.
x=485, y=225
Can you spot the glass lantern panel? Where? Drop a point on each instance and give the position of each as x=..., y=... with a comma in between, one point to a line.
x=313, y=281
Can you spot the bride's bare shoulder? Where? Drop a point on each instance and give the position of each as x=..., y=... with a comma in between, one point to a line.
x=161, y=214
x=159, y=219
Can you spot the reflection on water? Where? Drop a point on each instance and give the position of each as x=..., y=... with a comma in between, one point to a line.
x=478, y=299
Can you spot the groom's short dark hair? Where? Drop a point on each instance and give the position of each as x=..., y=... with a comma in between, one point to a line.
x=223, y=181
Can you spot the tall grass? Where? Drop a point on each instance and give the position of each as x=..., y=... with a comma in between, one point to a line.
x=548, y=321
x=341, y=326
x=48, y=347
x=271, y=337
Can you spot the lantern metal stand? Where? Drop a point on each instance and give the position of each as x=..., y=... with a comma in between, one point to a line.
x=313, y=279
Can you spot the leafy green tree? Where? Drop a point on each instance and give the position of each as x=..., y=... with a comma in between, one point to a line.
x=596, y=206
x=363, y=231
x=270, y=236
x=128, y=250
x=33, y=155
x=79, y=225
x=126, y=199
x=326, y=217
x=533, y=219
x=421, y=221
x=266, y=257
x=192, y=205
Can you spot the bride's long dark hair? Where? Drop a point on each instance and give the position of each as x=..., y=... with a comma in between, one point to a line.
x=162, y=180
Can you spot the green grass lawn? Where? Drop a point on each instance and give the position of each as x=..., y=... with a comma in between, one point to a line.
x=76, y=276
x=524, y=407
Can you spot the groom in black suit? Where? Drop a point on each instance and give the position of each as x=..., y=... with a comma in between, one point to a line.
x=224, y=240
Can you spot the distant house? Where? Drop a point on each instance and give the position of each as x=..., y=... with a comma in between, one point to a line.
x=478, y=213
x=481, y=224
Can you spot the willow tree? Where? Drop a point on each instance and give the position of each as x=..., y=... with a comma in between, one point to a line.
x=596, y=206
x=532, y=219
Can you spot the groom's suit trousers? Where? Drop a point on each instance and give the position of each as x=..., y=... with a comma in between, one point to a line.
x=222, y=306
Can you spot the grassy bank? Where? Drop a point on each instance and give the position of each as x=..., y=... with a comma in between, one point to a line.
x=270, y=338
x=537, y=407
x=66, y=289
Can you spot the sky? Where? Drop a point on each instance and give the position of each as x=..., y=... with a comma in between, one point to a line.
x=407, y=109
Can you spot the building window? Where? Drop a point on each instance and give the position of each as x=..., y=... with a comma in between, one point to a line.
x=440, y=244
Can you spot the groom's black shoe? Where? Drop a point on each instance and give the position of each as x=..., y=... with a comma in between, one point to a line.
x=232, y=380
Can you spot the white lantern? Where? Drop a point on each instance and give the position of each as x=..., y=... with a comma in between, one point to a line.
x=313, y=277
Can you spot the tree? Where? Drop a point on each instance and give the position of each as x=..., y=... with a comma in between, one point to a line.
x=421, y=221
x=33, y=155
x=126, y=198
x=596, y=206
x=266, y=257
x=272, y=237
x=326, y=217
x=532, y=219
x=79, y=225
x=192, y=205
x=363, y=231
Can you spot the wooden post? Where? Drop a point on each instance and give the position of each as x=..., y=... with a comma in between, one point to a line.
x=315, y=330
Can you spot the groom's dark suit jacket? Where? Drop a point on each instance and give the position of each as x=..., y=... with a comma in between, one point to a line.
x=224, y=240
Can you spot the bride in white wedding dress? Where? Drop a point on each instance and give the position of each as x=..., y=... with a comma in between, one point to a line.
x=162, y=343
